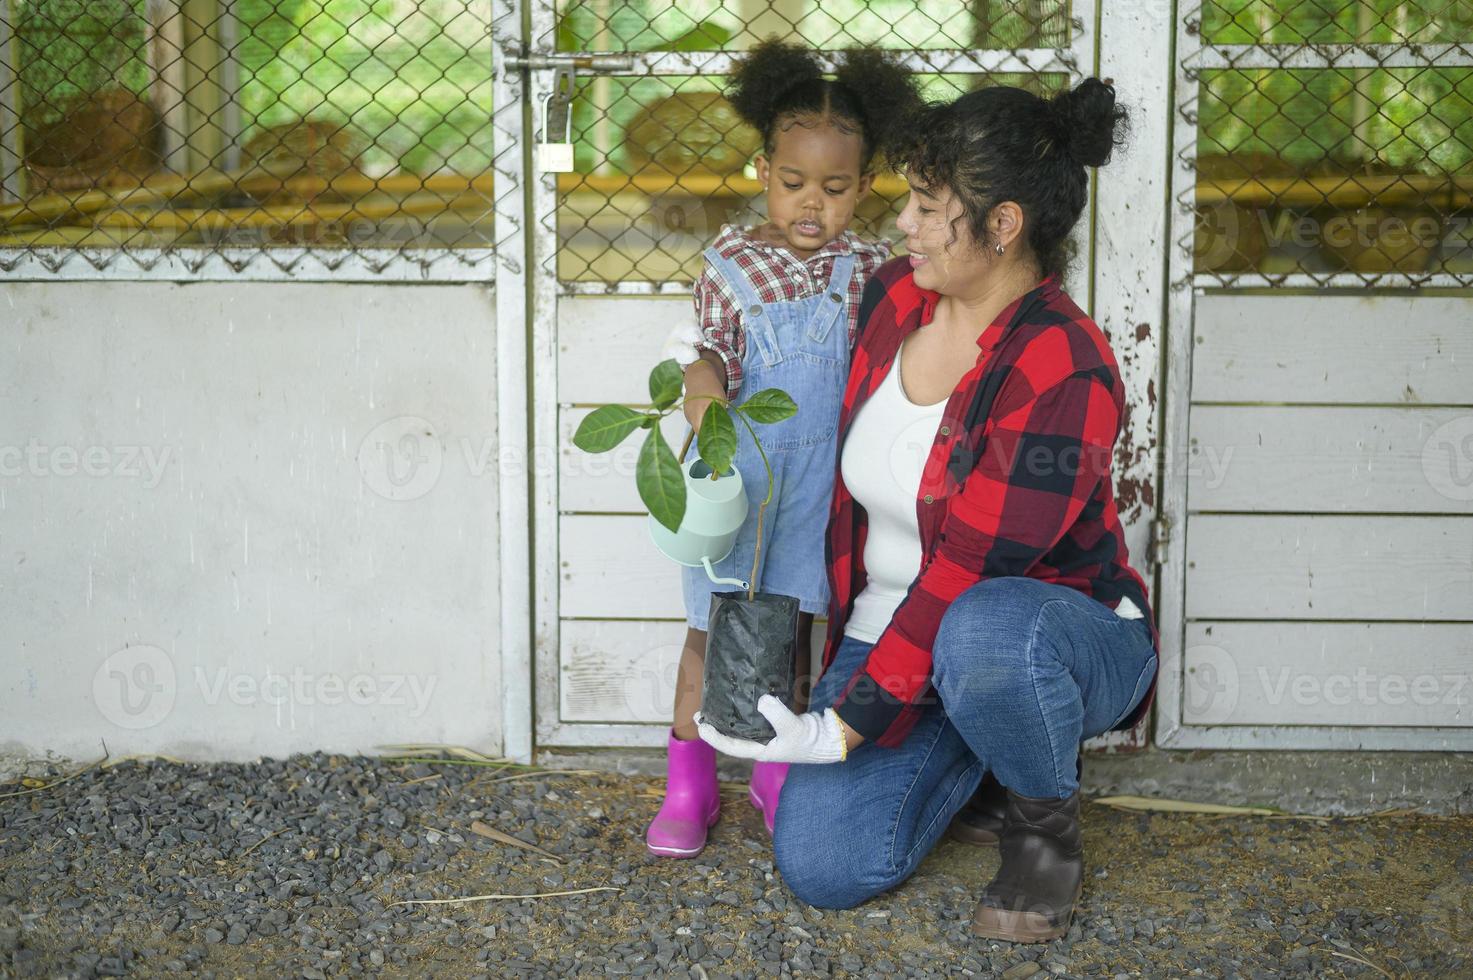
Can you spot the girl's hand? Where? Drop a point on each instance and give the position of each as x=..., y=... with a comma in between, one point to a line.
x=704, y=380
x=810, y=739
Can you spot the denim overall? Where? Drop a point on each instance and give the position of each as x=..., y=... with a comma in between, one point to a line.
x=802, y=347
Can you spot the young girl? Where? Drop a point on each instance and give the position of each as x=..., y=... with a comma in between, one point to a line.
x=777, y=307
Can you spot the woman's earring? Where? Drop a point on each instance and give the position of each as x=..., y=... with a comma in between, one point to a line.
x=1000, y=248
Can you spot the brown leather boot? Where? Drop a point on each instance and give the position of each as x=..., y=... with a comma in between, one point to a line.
x=980, y=821
x=1032, y=897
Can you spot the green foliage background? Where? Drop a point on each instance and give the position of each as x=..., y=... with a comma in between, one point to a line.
x=413, y=77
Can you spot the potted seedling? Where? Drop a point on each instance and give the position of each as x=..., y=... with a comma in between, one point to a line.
x=696, y=507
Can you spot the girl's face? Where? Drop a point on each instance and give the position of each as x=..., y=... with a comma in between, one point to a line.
x=813, y=184
x=944, y=254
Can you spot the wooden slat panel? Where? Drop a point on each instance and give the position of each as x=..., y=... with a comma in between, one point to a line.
x=1332, y=349
x=609, y=568
x=1314, y=459
x=1361, y=674
x=618, y=671
x=607, y=345
x=604, y=482
x=625, y=672
x=1329, y=567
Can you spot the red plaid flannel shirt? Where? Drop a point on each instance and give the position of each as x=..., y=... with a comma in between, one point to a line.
x=777, y=275
x=1018, y=482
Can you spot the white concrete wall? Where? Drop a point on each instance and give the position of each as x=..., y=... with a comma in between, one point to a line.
x=247, y=519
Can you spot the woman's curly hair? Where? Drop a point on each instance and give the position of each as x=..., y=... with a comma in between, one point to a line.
x=778, y=84
x=1006, y=144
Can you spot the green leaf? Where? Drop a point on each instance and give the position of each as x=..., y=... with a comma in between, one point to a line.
x=769, y=405
x=717, y=439
x=660, y=481
x=605, y=427
x=665, y=383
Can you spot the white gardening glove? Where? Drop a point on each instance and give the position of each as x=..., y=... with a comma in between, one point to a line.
x=811, y=738
x=681, y=343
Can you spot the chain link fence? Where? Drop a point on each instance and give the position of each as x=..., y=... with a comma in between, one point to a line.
x=736, y=25
x=244, y=128
x=1334, y=141
x=661, y=159
x=666, y=163
x=359, y=131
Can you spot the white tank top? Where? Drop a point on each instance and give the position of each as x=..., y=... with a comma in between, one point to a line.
x=884, y=455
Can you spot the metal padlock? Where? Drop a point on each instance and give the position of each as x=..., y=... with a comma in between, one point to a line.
x=557, y=117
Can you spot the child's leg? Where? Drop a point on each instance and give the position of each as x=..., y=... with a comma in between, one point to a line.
x=688, y=683
x=692, y=801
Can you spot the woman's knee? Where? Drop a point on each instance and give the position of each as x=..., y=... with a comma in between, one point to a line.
x=821, y=884
x=821, y=862
x=836, y=882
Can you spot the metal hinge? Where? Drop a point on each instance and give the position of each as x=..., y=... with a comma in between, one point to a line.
x=1160, y=540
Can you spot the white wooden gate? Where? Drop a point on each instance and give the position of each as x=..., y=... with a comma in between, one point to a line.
x=599, y=655
x=1318, y=485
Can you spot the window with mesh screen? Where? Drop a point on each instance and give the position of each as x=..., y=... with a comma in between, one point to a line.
x=662, y=161
x=256, y=124
x=1334, y=139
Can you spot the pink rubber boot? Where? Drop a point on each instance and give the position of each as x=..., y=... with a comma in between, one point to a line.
x=692, y=800
x=766, y=787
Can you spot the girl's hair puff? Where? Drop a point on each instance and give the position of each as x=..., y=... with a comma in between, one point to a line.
x=779, y=84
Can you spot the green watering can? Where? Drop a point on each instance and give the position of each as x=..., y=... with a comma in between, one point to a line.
x=714, y=512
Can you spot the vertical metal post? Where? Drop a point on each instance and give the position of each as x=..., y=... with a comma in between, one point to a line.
x=541, y=284
x=1184, y=106
x=510, y=158
x=1131, y=242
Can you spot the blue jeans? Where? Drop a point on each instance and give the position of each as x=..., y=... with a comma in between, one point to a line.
x=1024, y=671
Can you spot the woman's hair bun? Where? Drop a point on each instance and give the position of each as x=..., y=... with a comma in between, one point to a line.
x=1087, y=122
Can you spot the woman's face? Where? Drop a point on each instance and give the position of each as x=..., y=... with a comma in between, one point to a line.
x=945, y=256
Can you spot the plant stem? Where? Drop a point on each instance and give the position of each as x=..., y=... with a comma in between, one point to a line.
x=761, y=509
x=692, y=433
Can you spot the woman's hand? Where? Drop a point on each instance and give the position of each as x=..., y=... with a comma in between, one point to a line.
x=680, y=343
x=810, y=739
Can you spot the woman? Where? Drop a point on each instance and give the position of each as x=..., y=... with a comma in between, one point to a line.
x=984, y=614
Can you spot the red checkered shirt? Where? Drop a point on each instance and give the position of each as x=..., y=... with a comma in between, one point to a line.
x=1017, y=482
x=777, y=275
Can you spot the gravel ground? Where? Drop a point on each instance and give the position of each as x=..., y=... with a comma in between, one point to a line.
x=288, y=867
